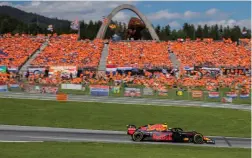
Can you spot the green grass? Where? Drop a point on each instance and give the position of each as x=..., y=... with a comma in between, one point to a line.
x=209, y=121
x=96, y=150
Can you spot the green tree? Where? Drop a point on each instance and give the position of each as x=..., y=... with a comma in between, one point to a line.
x=199, y=32
x=206, y=31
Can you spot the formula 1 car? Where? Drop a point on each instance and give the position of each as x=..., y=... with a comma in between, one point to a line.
x=161, y=132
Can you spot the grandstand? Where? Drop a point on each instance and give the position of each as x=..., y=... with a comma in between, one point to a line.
x=18, y=49
x=139, y=54
x=67, y=51
x=151, y=58
x=213, y=54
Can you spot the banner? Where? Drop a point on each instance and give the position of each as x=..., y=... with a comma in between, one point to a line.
x=40, y=89
x=3, y=88
x=163, y=93
x=147, y=91
x=64, y=70
x=99, y=90
x=231, y=94
x=31, y=89
x=3, y=69
x=124, y=68
x=179, y=93
x=213, y=94
x=116, y=89
x=49, y=90
x=111, y=69
x=197, y=94
x=213, y=69
x=244, y=95
x=34, y=71
x=71, y=86
x=14, y=85
x=12, y=69
x=132, y=92
x=188, y=68
x=226, y=100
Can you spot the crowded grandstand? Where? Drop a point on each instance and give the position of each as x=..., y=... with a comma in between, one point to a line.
x=202, y=64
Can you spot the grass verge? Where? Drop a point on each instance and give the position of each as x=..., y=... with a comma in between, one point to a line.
x=95, y=150
x=208, y=121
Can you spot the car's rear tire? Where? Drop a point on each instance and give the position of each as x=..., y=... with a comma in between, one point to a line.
x=198, y=139
x=137, y=136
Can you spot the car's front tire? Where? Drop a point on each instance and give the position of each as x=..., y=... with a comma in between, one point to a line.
x=198, y=139
x=137, y=136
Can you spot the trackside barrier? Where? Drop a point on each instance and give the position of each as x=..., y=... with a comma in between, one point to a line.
x=137, y=91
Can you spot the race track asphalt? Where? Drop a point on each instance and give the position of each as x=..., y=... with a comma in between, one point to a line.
x=43, y=134
x=126, y=100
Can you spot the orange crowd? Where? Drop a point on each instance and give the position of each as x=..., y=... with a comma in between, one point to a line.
x=18, y=49
x=65, y=50
x=218, y=54
x=139, y=54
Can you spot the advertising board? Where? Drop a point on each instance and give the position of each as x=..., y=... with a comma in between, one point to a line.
x=71, y=86
x=132, y=92
x=99, y=90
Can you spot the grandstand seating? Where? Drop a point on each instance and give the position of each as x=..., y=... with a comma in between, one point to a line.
x=216, y=53
x=17, y=49
x=65, y=50
x=139, y=54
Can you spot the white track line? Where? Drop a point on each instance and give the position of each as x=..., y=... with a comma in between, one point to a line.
x=12, y=141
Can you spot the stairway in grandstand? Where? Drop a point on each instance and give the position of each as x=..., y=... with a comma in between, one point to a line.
x=103, y=60
x=174, y=60
x=33, y=56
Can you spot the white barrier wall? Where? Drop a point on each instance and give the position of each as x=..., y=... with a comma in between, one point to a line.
x=71, y=86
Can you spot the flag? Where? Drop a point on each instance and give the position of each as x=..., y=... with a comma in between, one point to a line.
x=226, y=100
x=164, y=71
x=50, y=28
x=75, y=25
x=105, y=20
x=244, y=31
x=213, y=94
x=231, y=94
x=3, y=54
x=244, y=95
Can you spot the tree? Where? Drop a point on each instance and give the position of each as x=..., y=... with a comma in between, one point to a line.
x=236, y=33
x=174, y=35
x=186, y=29
x=181, y=34
x=227, y=32
x=199, y=32
x=206, y=31
x=214, y=32
x=167, y=31
x=157, y=29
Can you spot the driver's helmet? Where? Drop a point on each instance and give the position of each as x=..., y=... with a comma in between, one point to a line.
x=165, y=126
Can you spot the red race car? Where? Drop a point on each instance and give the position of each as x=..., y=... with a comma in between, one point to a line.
x=161, y=132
